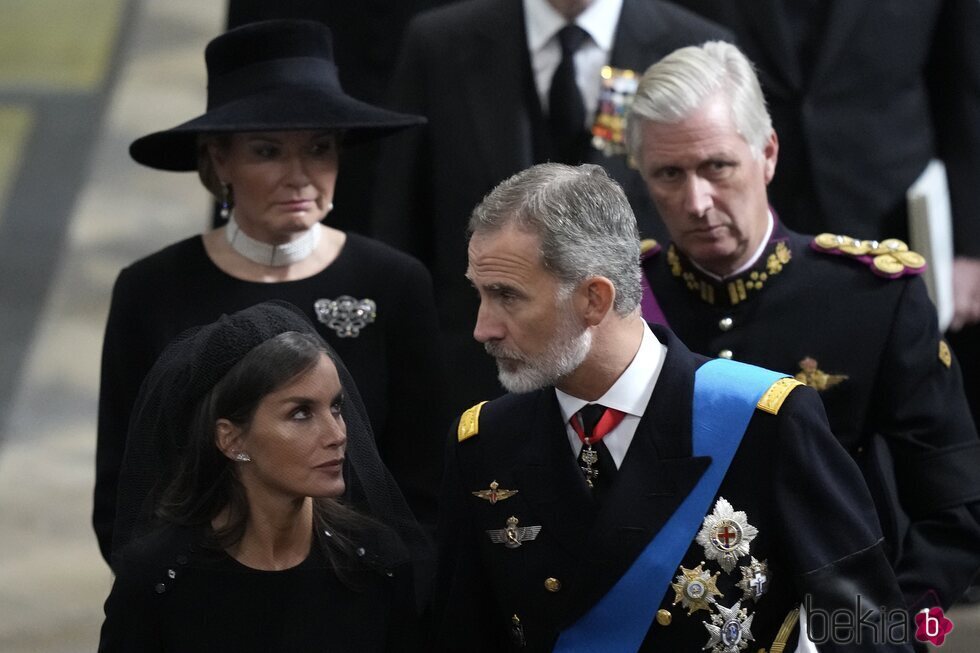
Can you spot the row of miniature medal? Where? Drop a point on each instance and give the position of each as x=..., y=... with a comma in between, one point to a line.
x=726, y=536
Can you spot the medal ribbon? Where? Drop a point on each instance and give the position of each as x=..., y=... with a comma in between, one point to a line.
x=610, y=419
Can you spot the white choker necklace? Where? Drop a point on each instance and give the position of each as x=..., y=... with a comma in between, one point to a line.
x=272, y=255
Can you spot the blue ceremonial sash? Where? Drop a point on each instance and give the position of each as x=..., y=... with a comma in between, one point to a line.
x=725, y=396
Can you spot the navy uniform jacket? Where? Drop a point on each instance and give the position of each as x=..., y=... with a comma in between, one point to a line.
x=890, y=386
x=466, y=68
x=817, y=530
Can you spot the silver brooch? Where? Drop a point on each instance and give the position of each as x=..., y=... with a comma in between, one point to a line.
x=346, y=315
x=729, y=630
x=513, y=535
x=755, y=580
x=726, y=535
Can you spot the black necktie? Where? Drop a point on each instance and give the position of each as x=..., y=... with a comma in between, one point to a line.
x=566, y=111
x=594, y=454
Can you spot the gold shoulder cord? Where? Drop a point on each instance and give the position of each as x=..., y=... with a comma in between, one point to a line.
x=789, y=623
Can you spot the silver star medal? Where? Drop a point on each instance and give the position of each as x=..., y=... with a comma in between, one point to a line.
x=755, y=580
x=346, y=315
x=729, y=630
x=726, y=535
x=513, y=535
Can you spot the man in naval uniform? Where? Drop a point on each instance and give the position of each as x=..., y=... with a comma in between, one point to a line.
x=849, y=318
x=628, y=494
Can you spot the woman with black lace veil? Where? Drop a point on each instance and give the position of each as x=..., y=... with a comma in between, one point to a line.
x=257, y=513
x=268, y=147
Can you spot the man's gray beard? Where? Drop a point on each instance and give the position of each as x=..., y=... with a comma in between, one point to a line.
x=567, y=350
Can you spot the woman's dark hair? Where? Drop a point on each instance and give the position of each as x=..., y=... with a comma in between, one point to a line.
x=206, y=482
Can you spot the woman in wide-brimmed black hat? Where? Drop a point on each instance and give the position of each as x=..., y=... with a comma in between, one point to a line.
x=267, y=148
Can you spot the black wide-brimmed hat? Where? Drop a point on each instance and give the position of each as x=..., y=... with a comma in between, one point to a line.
x=276, y=75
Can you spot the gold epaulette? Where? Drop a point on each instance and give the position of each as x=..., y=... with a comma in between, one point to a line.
x=890, y=258
x=774, y=397
x=469, y=423
x=649, y=245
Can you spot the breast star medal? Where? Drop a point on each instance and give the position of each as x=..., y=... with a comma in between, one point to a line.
x=755, y=580
x=726, y=535
x=512, y=536
x=696, y=589
x=729, y=630
x=495, y=493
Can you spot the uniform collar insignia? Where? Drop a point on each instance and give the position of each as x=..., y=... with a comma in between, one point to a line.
x=696, y=589
x=810, y=374
x=729, y=630
x=733, y=290
x=512, y=536
x=346, y=315
x=726, y=535
x=495, y=493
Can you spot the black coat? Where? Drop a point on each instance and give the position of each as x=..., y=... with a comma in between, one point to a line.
x=466, y=68
x=173, y=595
x=816, y=522
x=395, y=361
x=900, y=410
x=891, y=85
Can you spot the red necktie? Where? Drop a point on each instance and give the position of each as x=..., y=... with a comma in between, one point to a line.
x=592, y=423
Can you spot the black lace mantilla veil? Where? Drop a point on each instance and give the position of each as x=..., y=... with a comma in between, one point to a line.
x=187, y=370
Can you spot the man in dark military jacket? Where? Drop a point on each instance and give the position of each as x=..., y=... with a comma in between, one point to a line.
x=583, y=511
x=849, y=318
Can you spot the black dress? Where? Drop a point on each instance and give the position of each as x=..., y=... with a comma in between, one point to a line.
x=172, y=594
x=395, y=361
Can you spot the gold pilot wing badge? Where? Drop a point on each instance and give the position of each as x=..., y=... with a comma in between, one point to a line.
x=495, y=493
x=512, y=536
x=810, y=374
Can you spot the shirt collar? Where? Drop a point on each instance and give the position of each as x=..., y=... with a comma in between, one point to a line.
x=632, y=390
x=542, y=22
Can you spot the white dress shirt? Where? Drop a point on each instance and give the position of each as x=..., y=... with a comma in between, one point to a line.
x=630, y=394
x=543, y=23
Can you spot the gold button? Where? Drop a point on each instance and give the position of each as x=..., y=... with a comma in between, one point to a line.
x=552, y=584
x=663, y=617
x=725, y=353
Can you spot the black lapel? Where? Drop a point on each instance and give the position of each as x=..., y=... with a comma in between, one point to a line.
x=555, y=487
x=495, y=96
x=657, y=474
x=844, y=16
x=768, y=28
x=639, y=39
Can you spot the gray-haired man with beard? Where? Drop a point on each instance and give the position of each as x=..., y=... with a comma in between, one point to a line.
x=628, y=494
